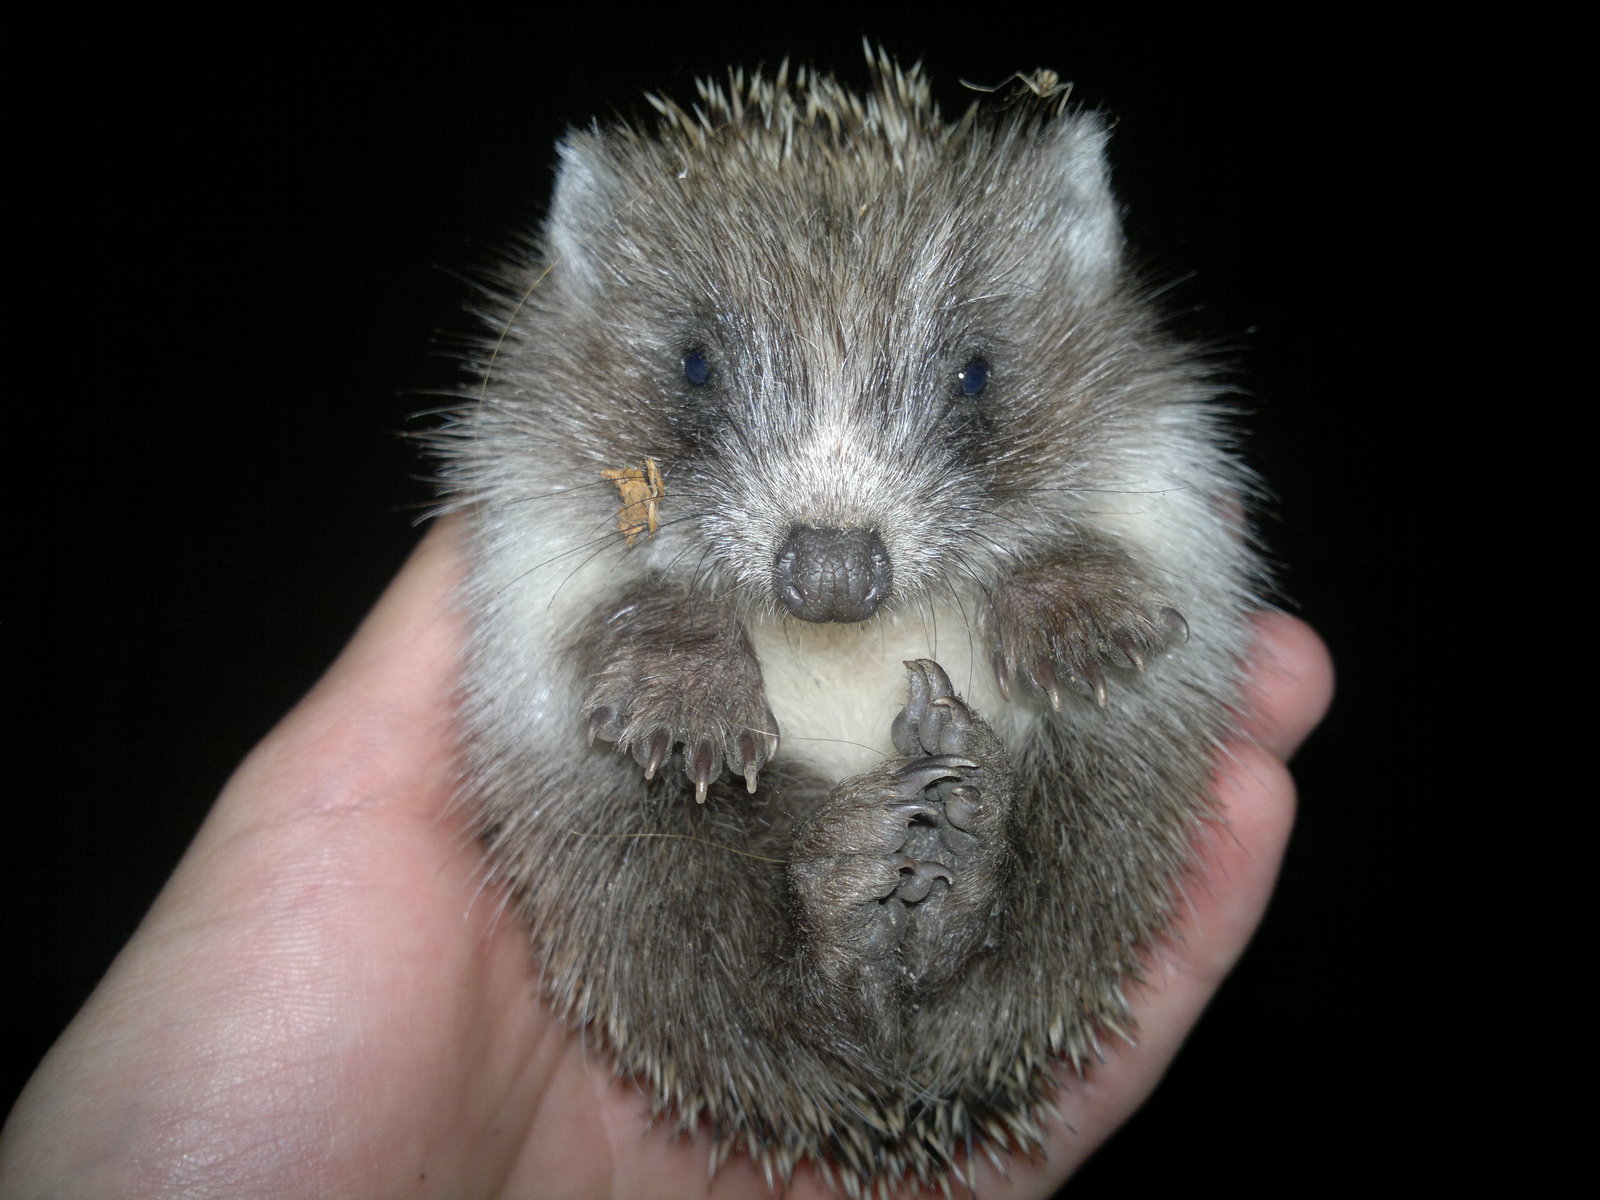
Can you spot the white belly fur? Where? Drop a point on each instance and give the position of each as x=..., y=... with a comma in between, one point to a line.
x=835, y=689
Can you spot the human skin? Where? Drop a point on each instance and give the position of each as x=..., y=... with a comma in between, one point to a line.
x=327, y=999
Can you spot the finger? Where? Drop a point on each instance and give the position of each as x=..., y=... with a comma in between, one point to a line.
x=1289, y=685
x=377, y=729
x=1221, y=902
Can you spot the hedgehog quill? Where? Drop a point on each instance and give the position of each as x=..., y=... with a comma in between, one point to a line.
x=859, y=595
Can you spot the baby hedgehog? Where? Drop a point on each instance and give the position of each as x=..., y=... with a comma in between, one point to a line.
x=804, y=392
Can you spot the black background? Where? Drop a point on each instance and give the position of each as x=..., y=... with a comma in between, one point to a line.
x=253, y=244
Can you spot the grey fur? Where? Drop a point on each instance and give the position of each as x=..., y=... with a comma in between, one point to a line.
x=865, y=946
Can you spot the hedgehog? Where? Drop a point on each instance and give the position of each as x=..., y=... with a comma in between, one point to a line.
x=859, y=592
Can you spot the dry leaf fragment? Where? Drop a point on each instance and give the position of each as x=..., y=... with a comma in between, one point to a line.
x=640, y=490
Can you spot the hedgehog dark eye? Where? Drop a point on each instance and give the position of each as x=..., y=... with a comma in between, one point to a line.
x=696, y=368
x=973, y=377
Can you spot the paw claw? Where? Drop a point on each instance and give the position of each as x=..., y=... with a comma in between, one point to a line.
x=704, y=764
x=938, y=681
x=750, y=758
x=651, y=754
x=918, y=776
x=1002, y=676
x=918, y=876
x=1095, y=681
x=1130, y=651
x=1043, y=676
x=1058, y=633
x=604, y=723
x=961, y=806
x=920, y=688
x=717, y=731
x=1176, y=627
x=957, y=729
x=912, y=809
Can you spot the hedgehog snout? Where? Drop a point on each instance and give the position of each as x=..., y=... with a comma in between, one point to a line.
x=832, y=574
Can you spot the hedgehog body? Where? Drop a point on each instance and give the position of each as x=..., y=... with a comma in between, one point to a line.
x=800, y=391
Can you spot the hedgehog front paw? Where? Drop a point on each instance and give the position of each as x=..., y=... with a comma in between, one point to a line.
x=1055, y=634
x=715, y=714
x=898, y=871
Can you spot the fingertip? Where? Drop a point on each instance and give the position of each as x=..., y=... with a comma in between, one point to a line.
x=1290, y=683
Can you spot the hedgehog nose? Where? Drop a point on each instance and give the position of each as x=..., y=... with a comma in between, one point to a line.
x=832, y=574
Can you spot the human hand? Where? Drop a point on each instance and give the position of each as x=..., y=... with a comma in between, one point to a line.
x=327, y=1000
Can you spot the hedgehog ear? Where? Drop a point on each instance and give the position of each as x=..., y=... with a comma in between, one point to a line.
x=1089, y=232
x=584, y=201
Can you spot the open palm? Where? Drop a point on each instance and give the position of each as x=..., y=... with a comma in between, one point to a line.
x=326, y=1000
